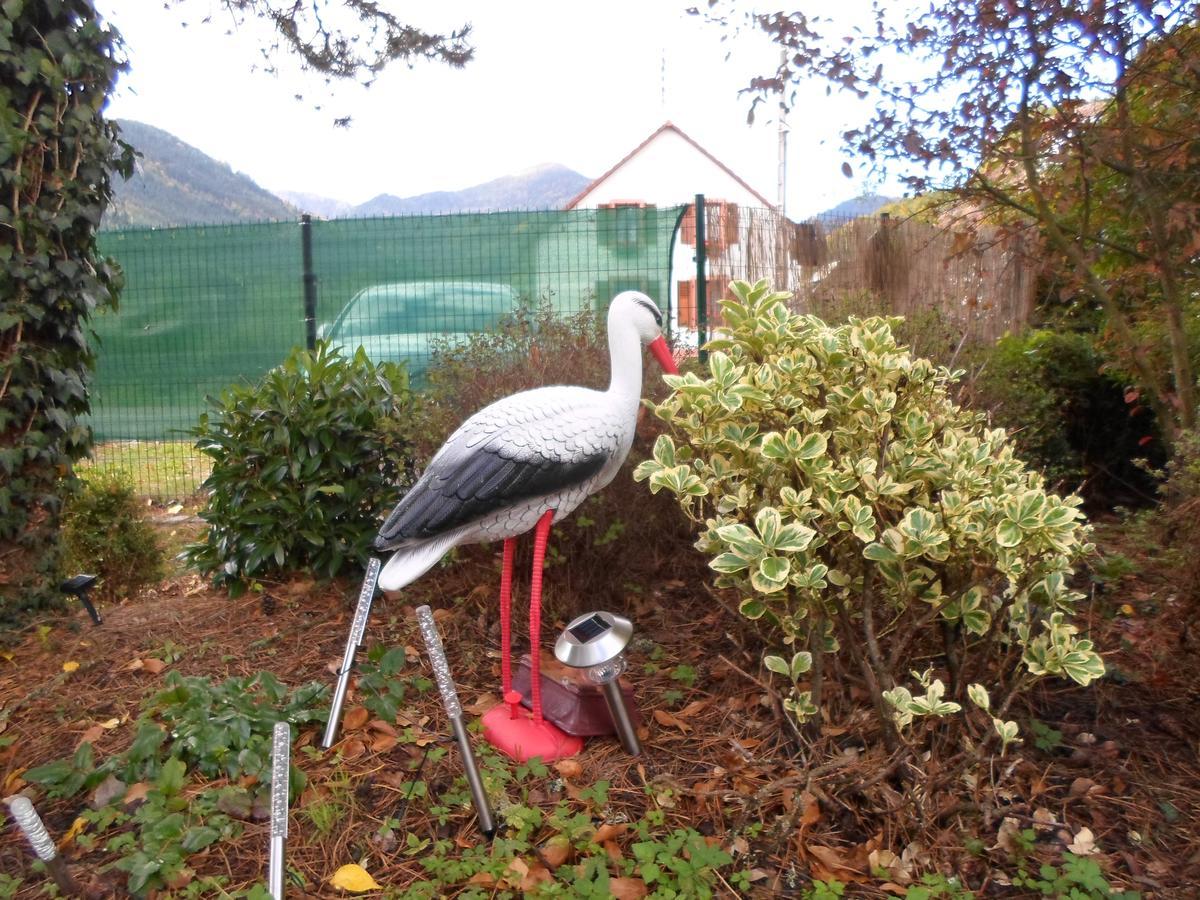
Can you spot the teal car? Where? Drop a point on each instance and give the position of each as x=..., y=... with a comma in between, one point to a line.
x=402, y=321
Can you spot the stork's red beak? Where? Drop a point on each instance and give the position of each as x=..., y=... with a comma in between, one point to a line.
x=662, y=353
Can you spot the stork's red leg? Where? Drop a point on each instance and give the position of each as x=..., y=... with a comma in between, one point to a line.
x=506, y=570
x=541, y=536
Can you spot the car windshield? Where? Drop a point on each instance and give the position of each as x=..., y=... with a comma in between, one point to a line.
x=418, y=307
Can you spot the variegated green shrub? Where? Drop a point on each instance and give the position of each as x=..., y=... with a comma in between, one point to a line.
x=870, y=522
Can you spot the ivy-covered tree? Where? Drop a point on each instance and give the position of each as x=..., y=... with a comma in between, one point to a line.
x=57, y=159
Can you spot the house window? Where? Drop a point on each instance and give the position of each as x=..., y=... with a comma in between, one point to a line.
x=720, y=226
x=623, y=224
x=718, y=289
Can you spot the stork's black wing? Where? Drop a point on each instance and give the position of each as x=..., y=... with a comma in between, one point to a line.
x=514, y=451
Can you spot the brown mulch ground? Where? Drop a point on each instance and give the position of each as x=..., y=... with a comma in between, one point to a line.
x=717, y=760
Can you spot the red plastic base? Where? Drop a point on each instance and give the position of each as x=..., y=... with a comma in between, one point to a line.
x=522, y=738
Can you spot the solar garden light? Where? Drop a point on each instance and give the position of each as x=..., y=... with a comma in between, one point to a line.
x=78, y=586
x=445, y=683
x=357, y=628
x=39, y=839
x=281, y=750
x=596, y=641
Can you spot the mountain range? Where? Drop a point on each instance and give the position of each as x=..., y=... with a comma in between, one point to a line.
x=176, y=184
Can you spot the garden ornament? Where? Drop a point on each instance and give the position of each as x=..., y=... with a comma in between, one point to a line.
x=357, y=627
x=79, y=586
x=39, y=839
x=596, y=642
x=281, y=751
x=515, y=466
x=445, y=683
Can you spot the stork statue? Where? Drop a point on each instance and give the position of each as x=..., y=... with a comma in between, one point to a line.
x=514, y=466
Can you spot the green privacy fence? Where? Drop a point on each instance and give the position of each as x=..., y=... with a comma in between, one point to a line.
x=207, y=306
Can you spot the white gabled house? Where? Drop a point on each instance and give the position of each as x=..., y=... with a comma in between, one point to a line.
x=669, y=168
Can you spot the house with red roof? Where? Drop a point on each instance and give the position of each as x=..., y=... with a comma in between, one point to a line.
x=669, y=168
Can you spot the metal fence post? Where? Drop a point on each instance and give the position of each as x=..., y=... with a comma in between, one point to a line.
x=310, y=282
x=701, y=277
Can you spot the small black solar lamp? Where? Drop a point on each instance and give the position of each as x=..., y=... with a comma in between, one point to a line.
x=78, y=586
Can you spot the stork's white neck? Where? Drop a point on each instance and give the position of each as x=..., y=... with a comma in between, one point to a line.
x=625, y=358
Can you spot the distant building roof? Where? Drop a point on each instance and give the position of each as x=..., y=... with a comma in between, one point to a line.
x=665, y=127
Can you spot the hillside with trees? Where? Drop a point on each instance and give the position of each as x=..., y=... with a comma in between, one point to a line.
x=176, y=184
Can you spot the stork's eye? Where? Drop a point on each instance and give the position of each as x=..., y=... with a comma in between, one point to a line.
x=652, y=309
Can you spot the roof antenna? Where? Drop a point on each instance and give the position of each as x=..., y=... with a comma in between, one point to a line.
x=662, y=80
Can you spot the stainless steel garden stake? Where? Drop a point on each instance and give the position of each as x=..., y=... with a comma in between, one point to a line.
x=357, y=628
x=39, y=839
x=281, y=752
x=445, y=683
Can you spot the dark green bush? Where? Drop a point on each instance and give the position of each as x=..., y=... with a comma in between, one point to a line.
x=304, y=465
x=105, y=532
x=618, y=536
x=1068, y=414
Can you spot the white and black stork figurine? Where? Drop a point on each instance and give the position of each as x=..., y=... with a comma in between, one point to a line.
x=515, y=466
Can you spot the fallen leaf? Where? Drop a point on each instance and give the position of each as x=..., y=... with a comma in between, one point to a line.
x=608, y=831
x=834, y=863
x=1082, y=787
x=110, y=789
x=556, y=851
x=482, y=704
x=110, y=723
x=892, y=864
x=1006, y=837
x=627, y=888
x=353, y=877
x=514, y=872
x=569, y=768
x=70, y=666
x=90, y=736
x=136, y=793
x=1043, y=819
x=537, y=874
x=696, y=706
x=1084, y=843
x=664, y=718
x=77, y=826
x=383, y=743
x=810, y=810
x=355, y=718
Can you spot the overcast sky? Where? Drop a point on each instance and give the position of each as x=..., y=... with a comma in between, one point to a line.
x=552, y=81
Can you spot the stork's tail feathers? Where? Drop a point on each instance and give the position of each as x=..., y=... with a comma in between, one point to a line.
x=410, y=563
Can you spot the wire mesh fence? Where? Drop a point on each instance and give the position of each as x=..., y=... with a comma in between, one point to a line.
x=206, y=307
